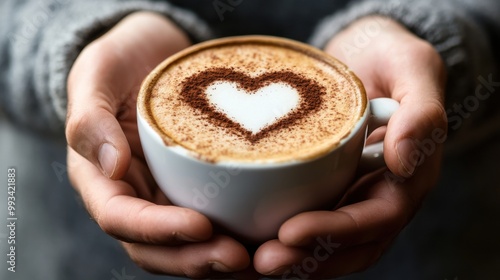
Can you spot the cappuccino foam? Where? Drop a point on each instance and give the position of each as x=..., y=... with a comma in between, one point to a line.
x=253, y=101
x=272, y=101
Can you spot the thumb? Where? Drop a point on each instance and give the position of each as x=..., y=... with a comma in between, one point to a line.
x=93, y=131
x=417, y=129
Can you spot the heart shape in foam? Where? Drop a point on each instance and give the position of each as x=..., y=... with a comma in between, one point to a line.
x=252, y=107
x=253, y=110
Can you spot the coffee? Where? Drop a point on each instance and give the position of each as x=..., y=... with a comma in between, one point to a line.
x=253, y=99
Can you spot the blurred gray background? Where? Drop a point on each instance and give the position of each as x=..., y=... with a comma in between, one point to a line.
x=456, y=235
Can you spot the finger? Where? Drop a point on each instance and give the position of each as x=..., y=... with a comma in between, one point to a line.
x=97, y=135
x=419, y=127
x=374, y=210
x=145, y=187
x=376, y=136
x=348, y=226
x=195, y=260
x=274, y=258
x=115, y=207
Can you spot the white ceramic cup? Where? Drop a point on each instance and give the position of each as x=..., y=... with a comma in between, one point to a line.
x=252, y=200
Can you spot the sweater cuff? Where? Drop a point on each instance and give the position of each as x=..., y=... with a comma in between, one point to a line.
x=425, y=19
x=85, y=21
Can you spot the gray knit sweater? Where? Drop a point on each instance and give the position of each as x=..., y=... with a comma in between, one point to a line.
x=39, y=41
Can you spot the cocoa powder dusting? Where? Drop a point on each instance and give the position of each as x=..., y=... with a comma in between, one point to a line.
x=194, y=87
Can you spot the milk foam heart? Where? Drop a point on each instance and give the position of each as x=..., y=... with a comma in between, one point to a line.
x=253, y=110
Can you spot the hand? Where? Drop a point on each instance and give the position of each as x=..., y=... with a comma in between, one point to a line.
x=106, y=164
x=322, y=244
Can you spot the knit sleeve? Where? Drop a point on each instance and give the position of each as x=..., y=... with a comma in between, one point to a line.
x=40, y=40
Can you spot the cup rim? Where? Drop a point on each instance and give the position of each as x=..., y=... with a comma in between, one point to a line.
x=178, y=148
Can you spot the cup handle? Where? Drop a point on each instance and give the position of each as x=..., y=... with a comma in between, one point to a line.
x=381, y=110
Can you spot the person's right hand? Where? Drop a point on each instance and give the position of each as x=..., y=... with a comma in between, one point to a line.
x=352, y=236
x=106, y=164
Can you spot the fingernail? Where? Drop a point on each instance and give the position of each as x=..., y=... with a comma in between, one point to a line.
x=107, y=159
x=408, y=156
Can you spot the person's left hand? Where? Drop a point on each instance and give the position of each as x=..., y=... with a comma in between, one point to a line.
x=351, y=237
x=106, y=164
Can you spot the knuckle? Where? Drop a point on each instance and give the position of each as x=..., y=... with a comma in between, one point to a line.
x=112, y=231
x=436, y=114
x=82, y=134
x=75, y=124
x=106, y=227
x=421, y=49
x=417, y=54
x=427, y=55
x=106, y=221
